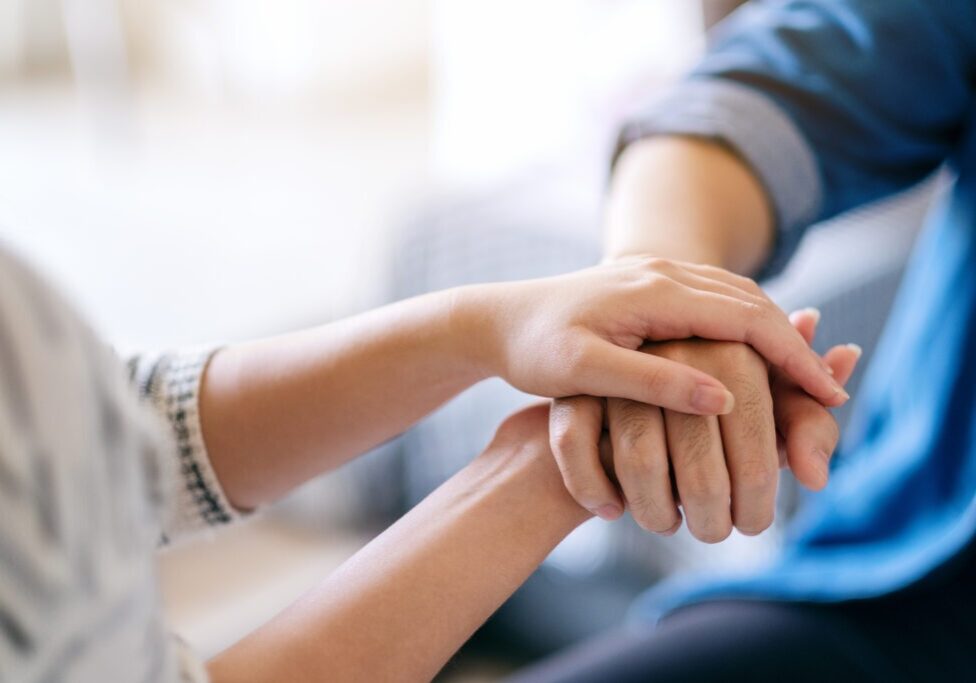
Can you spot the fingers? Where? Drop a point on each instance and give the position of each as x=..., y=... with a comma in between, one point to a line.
x=809, y=430
x=749, y=441
x=712, y=308
x=610, y=370
x=742, y=282
x=640, y=460
x=770, y=333
x=695, y=444
x=810, y=435
x=805, y=321
x=575, y=426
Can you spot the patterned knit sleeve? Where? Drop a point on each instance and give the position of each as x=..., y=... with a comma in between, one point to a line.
x=170, y=383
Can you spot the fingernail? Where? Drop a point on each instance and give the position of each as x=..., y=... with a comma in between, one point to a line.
x=712, y=400
x=840, y=392
x=808, y=311
x=608, y=512
x=858, y=351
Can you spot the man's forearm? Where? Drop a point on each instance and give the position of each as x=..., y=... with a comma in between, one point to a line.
x=690, y=200
x=400, y=608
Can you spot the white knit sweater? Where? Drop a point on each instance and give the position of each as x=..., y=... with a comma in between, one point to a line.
x=97, y=468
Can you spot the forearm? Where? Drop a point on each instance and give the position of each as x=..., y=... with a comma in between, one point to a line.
x=691, y=200
x=400, y=608
x=279, y=411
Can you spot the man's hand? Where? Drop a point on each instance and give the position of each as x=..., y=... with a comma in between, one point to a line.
x=663, y=457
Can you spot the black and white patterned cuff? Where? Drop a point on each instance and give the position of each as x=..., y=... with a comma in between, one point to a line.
x=189, y=665
x=759, y=131
x=170, y=383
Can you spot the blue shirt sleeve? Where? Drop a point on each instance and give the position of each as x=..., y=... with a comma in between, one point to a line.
x=874, y=95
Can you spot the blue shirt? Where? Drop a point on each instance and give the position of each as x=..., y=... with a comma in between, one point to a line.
x=837, y=103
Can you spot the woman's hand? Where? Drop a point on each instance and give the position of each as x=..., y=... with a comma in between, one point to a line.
x=579, y=333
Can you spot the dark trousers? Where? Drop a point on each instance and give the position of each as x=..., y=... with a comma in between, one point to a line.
x=925, y=633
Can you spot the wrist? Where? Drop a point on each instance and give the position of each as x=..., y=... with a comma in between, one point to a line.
x=519, y=472
x=473, y=328
x=687, y=199
x=702, y=254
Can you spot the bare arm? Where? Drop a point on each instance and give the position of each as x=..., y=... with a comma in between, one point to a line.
x=691, y=200
x=401, y=607
x=277, y=412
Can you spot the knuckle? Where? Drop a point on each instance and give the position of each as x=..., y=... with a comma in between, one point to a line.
x=649, y=463
x=654, y=378
x=754, y=415
x=578, y=357
x=755, y=476
x=751, y=386
x=694, y=441
x=832, y=428
x=754, y=312
x=657, y=264
x=582, y=490
x=630, y=425
x=651, y=515
x=753, y=286
x=805, y=414
x=563, y=439
x=794, y=409
x=700, y=486
x=662, y=283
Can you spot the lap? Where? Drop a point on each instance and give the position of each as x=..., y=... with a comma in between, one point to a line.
x=922, y=634
x=717, y=641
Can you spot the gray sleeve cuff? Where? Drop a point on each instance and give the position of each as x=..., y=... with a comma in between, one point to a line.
x=755, y=128
x=170, y=384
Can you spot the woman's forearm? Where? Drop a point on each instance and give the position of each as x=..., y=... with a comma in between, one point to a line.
x=688, y=199
x=400, y=608
x=279, y=411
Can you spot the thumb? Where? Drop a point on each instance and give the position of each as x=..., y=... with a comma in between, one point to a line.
x=613, y=371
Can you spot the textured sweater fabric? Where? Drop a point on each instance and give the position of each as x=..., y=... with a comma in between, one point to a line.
x=100, y=463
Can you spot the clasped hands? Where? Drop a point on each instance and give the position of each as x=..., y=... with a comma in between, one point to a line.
x=699, y=387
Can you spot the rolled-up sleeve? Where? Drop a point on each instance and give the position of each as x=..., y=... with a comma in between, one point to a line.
x=833, y=104
x=170, y=384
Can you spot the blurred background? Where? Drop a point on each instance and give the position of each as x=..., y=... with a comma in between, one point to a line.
x=200, y=171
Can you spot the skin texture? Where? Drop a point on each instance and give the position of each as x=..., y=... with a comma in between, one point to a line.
x=402, y=606
x=277, y=412
x=716, y=462
x=695, y=200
